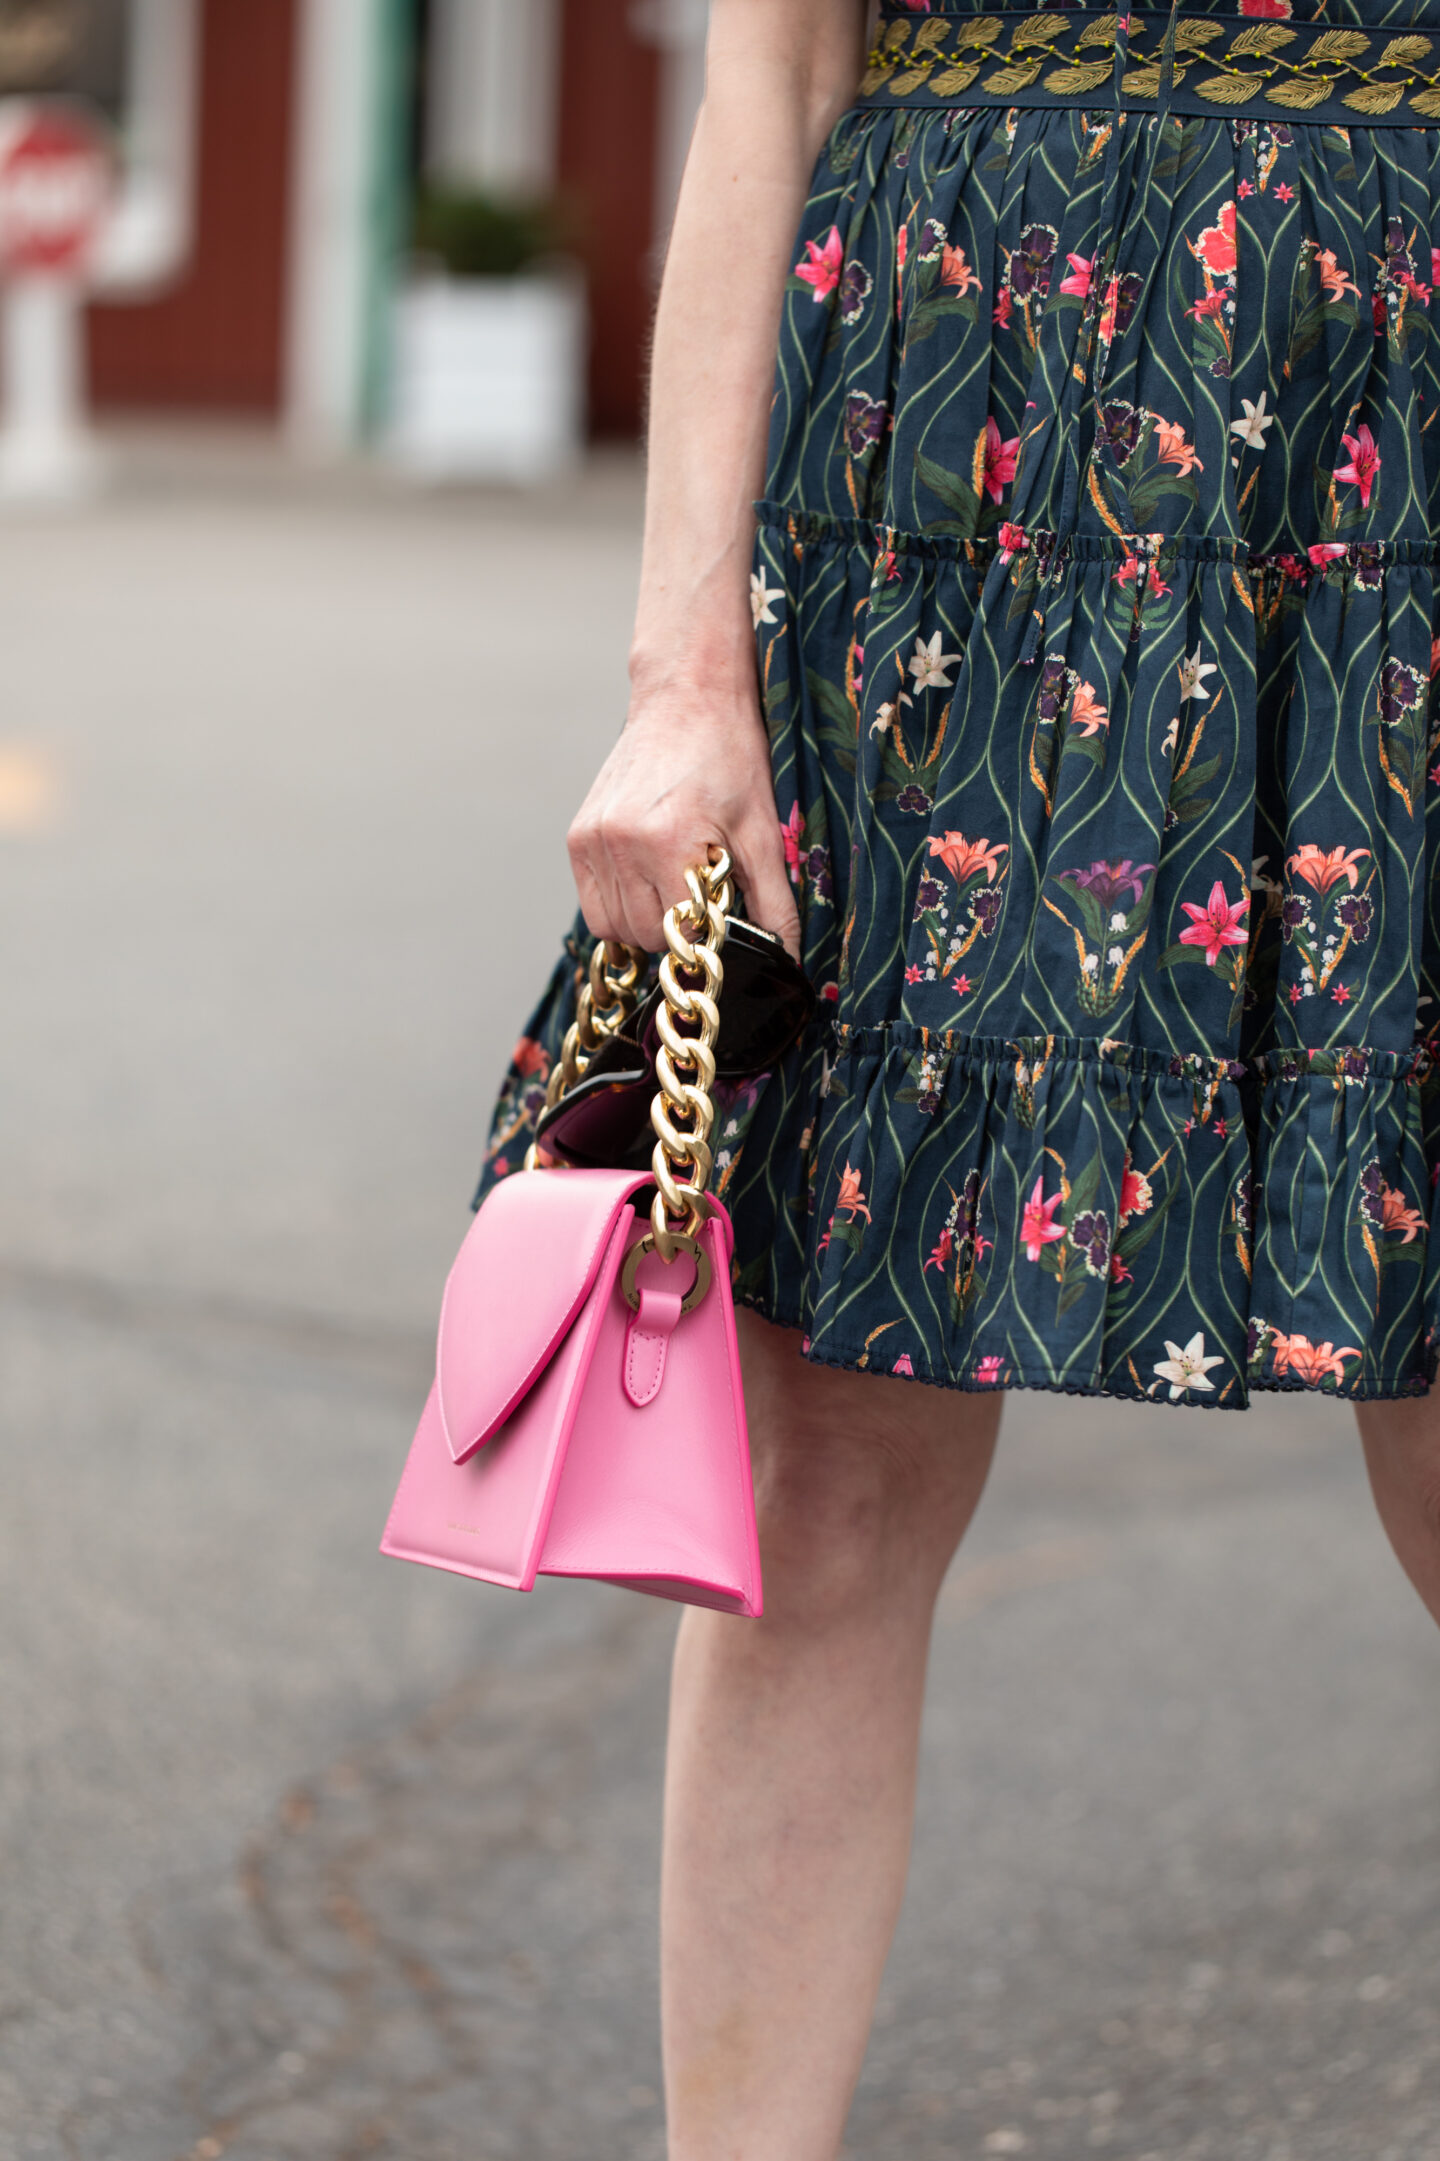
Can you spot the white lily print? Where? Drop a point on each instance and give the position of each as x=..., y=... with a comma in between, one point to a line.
x=1251, y=430
x=761, y=598
x=889, y=712
x=1193, y=671
x=1171, y=736
x=1187, y=1369
x=928, y=664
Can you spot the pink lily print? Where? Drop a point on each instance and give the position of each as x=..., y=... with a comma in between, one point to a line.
x=791, y=831
x=1364, y=465
x=1218, y=924
x=1077, y=284
x=996, y=460
x=1038, y=1227
x=821, y=270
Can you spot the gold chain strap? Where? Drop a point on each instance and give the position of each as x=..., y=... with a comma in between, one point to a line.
x=607, y=1000
x=683, y=1112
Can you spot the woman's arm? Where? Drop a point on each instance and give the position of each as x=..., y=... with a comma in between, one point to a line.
x=692, y=765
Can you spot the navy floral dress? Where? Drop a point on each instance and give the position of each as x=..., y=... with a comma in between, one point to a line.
x=1096, y=619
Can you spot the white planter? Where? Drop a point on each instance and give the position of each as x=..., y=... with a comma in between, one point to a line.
x=488, y=377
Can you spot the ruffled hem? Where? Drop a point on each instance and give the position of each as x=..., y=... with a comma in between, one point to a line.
x=967, y=1212
x=1093, y=1218
x=857, y=1360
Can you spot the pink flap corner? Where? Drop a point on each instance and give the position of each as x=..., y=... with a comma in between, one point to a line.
x=521, y=1276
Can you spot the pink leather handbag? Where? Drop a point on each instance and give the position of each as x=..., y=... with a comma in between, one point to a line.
x=587, y=1417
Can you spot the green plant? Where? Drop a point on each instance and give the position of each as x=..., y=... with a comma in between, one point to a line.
x=473, y=233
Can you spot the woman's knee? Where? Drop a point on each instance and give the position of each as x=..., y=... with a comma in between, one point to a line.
x=1402, y=1452
x=859, y=1481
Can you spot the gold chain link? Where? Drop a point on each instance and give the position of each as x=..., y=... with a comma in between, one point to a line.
x=683, y=1112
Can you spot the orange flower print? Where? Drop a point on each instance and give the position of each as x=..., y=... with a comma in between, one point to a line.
x=1086, y=711
x=1311, y=1363
x=955, y=271
x=1321, y=868
x=1332, y=277
x=963, y=858
x=850, y=1198
x=531, y=1057
x=1397, y=1215
x=1172, y=448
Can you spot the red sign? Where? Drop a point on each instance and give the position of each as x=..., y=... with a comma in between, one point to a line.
x=56, y=180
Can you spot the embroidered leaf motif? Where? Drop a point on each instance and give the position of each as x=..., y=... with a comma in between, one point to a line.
x=1263, y=38
x=1374, y=97
x=1226, y=89
x=1302, y=91
x=1039, y=32
x=1401, y=51
x=875, y=77
x=1004, y=80
x=1338, y=45
x=930, y=36
x=1065, y=82
x=952, y=80
x=1428, y=103
x=1189, y=35
x=895, y=37
x=983, y=31
x=1141, y=82
x=1101, y=32
x=912, y=78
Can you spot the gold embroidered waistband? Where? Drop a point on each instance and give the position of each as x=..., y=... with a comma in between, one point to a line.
x=1276, y=69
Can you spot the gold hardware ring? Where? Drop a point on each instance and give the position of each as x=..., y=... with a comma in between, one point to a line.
x=683, y=1243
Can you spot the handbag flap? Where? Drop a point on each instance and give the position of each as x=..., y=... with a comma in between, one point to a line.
x=526, y=1267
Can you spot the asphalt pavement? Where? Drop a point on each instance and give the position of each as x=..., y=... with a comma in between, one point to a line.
x=309, y=1854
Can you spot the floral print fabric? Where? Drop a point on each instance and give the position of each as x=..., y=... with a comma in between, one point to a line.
x=1097, y=634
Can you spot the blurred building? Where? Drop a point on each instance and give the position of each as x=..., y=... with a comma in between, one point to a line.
x=310, y=122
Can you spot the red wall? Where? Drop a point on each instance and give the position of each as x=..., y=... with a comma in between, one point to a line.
x=609, y=99
x=215, y=338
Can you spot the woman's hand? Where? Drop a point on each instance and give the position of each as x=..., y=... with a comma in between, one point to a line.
x=692, y=766
x=687, y=772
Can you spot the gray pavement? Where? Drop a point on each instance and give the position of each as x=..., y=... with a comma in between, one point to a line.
x=313, y=1855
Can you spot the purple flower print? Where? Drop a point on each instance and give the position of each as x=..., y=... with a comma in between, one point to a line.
x=1123, y=422
x=985, y=908
x=1355, y=912
x=1401, y=689
x=1090, y=1235
x=854, y=291
x=1031, y=263
x=927, y=896
x=817, y=870
x=1292, y=915
x=913, y=797
x=1052, y=689
x=1107, y=881
x=1245, y=1202
x=864, y=422
x=1372, y=1187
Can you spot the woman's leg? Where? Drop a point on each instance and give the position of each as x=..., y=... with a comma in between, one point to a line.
x=1402, y=1453
x=791, y=1775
